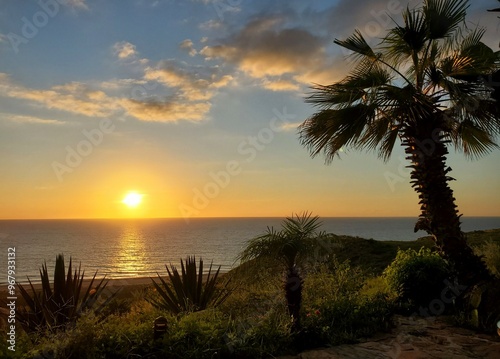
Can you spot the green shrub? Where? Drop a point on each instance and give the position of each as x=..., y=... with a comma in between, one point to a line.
x=213, y=334
x=491, y=256
x=345, y=320
x=336, y=310
x=80, y=341
x=196, y=335
x=417, y=277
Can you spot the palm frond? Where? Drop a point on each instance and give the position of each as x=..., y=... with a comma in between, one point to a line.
x=332, y=130
x=474, y=141
x=294, y=242
x=354, y=89
x=357, y=43
x=443, y=17
x=401, y=43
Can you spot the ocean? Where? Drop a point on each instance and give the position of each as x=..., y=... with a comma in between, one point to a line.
x=125, y=248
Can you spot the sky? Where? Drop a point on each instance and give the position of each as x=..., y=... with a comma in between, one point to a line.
x=194, y=106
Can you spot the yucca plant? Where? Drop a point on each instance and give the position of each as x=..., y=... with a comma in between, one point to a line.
x=189, y=291
x=53, y=307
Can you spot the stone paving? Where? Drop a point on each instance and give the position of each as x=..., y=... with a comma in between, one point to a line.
x=419, y=338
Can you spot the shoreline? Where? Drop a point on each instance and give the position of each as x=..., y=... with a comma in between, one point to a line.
x=123, y=285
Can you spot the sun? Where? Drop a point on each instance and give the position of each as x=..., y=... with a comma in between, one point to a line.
x=132, y=199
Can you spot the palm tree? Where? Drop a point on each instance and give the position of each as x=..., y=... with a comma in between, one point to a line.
x=411, y=87
x=291, y=246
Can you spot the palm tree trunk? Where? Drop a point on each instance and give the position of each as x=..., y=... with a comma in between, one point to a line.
x=293, y=294
x=439, y=216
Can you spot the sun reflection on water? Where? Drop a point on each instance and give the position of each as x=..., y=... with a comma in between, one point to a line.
x=130, y=259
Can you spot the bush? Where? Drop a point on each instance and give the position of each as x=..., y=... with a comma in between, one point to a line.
x=417, y=277
x=345, y=320
x=490, y=252
x=337, y=310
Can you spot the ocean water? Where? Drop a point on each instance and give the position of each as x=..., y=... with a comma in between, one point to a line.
x=125, y=248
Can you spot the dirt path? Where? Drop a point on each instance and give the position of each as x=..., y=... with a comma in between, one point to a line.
x=420, y=338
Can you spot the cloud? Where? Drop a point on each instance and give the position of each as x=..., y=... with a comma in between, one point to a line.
x=22, y=119
x=190, y=83
x=124, y=50
x=188, y=46
x=267, y=48
x=73, y=97
x=121, y=84
x=280, y=85
x=290, y=126
x=189, y=104
x=166, y=111
x=261, y=49
x=76, y=4
x=211, y=25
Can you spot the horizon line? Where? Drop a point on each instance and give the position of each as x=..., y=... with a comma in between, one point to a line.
x=222, y=217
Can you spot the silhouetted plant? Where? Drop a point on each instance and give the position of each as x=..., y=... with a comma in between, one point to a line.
x=189, y=291
x=56, y=305
x=293, y=245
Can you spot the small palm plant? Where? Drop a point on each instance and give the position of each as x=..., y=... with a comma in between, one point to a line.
x=295, y=243
x=60, y=304
x=189, y=291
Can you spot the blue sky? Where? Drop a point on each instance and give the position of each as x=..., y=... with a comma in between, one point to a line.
x=194, y=105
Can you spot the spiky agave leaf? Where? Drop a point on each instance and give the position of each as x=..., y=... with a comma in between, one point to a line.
x=55, y=306
x=189, y=290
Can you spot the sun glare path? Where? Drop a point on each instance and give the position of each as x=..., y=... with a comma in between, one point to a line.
x=132, y=199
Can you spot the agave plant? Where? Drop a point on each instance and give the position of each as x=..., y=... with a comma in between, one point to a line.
x=189, y=291
x=53, y=307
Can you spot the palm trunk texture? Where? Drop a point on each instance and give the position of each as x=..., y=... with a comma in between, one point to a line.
x=439, y=216
x=293, y=294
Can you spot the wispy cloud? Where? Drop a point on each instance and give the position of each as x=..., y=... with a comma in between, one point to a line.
x=188, y=46
x=22, y=119
x=190, y=103
x=190, y=83
x=166, y=111
x=124, y=50
x=73, y=97
x=76, y=4
x=290, y=126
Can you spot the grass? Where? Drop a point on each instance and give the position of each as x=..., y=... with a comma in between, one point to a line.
x=374, y=256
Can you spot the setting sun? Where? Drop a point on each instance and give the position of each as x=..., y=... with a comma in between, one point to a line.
x=132, y=199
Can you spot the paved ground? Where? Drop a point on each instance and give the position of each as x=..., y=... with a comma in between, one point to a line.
x=415, y=339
